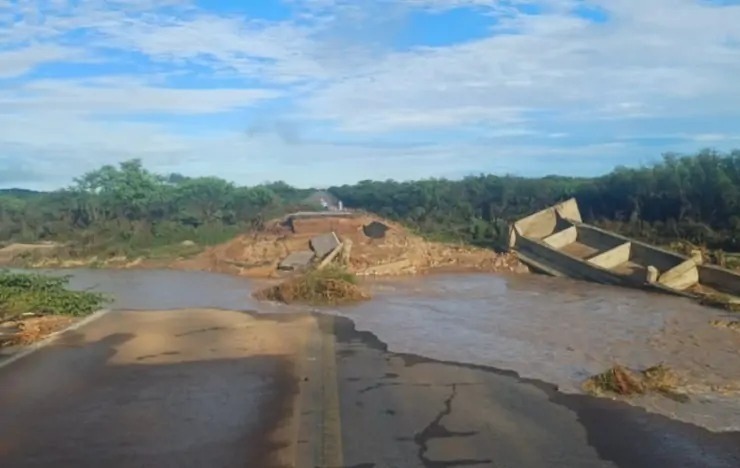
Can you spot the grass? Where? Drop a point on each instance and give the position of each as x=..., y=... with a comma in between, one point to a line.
x=619, y=380
x=44, y=295
x=329, y=286
x=721, y=301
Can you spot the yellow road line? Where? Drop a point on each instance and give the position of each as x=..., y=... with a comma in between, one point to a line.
x=331, y=424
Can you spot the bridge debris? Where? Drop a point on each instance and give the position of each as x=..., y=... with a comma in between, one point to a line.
x=557, y=242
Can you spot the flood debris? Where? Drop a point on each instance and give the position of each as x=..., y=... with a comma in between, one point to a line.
x=556, y=241
x=324, y=244
x=622, y=381
x=297, y=260
x=720, y=301
x=733, y=325
x=28, y=330
x=328, y=286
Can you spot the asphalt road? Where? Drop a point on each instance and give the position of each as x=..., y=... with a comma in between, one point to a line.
x=226, y=389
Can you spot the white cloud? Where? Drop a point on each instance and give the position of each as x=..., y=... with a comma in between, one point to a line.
x=120, y=96
x=674, y=63
x=16, y=62
x=332, y=73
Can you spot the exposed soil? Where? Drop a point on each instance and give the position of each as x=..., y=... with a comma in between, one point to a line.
x=399, y=252
x=30, y=330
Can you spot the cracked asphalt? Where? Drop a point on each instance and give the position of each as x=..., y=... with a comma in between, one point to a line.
x=214, y=388
x=409, y=411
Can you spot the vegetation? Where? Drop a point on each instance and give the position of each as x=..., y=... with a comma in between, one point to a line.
x=620, y=380
x=329, y=286
x=689, y=198
x=129, y=211
x=45, y=295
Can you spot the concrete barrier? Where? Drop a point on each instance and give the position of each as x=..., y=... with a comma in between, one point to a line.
x=681, y=277
x=613, y=257
x=538, y=225
x=569, y=210
x=722, y=280
x=562, y=238
x=568, y=265
x=598, y=238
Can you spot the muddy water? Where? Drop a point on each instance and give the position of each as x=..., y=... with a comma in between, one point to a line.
x=550, y=329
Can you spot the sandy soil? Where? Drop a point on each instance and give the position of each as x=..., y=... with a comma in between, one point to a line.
x=179, y=336
x=31, y=330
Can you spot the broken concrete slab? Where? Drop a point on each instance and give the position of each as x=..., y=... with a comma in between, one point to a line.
x=297, y=260
x=557, y=242
x=324, y=244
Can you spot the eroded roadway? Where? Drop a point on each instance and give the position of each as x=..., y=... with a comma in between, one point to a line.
x=209, y=388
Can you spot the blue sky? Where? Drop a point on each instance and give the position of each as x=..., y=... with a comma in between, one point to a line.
x=322, y=92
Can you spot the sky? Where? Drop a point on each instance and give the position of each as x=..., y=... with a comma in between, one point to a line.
x=326, y=92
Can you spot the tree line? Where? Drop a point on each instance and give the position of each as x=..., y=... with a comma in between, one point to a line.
x=128, y=207
x=694, y=198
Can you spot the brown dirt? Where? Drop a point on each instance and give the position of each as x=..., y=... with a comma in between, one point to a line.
x=31, y=330
x=399, y=253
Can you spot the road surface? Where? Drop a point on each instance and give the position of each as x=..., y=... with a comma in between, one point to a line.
x=215, y=388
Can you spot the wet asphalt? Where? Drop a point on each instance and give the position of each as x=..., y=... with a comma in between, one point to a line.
x=345, y=400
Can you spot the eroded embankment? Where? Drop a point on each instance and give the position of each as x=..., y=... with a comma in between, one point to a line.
x=391, y=251
x=378, y=248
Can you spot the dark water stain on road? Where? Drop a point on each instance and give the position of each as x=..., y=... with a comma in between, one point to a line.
x=621, y=433
x=72, y=405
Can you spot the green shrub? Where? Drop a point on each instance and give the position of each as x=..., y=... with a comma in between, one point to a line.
x=41, y=294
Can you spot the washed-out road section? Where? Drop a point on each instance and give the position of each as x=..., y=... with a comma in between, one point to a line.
x=218, y=388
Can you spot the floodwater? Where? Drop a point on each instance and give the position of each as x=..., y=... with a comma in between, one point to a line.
x=550, y=329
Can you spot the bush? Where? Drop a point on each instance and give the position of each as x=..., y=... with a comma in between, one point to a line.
x=620, y=380
x=40, y=294
x=329, y=286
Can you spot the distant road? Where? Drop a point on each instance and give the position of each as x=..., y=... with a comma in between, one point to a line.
x=209, y=388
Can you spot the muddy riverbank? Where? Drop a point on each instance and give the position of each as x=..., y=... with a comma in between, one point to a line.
x=549, y=329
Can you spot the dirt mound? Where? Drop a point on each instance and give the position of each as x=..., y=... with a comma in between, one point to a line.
x=318, y=287
x=396, y=252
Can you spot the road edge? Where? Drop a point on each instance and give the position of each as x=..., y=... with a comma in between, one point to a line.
x=30, y=349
